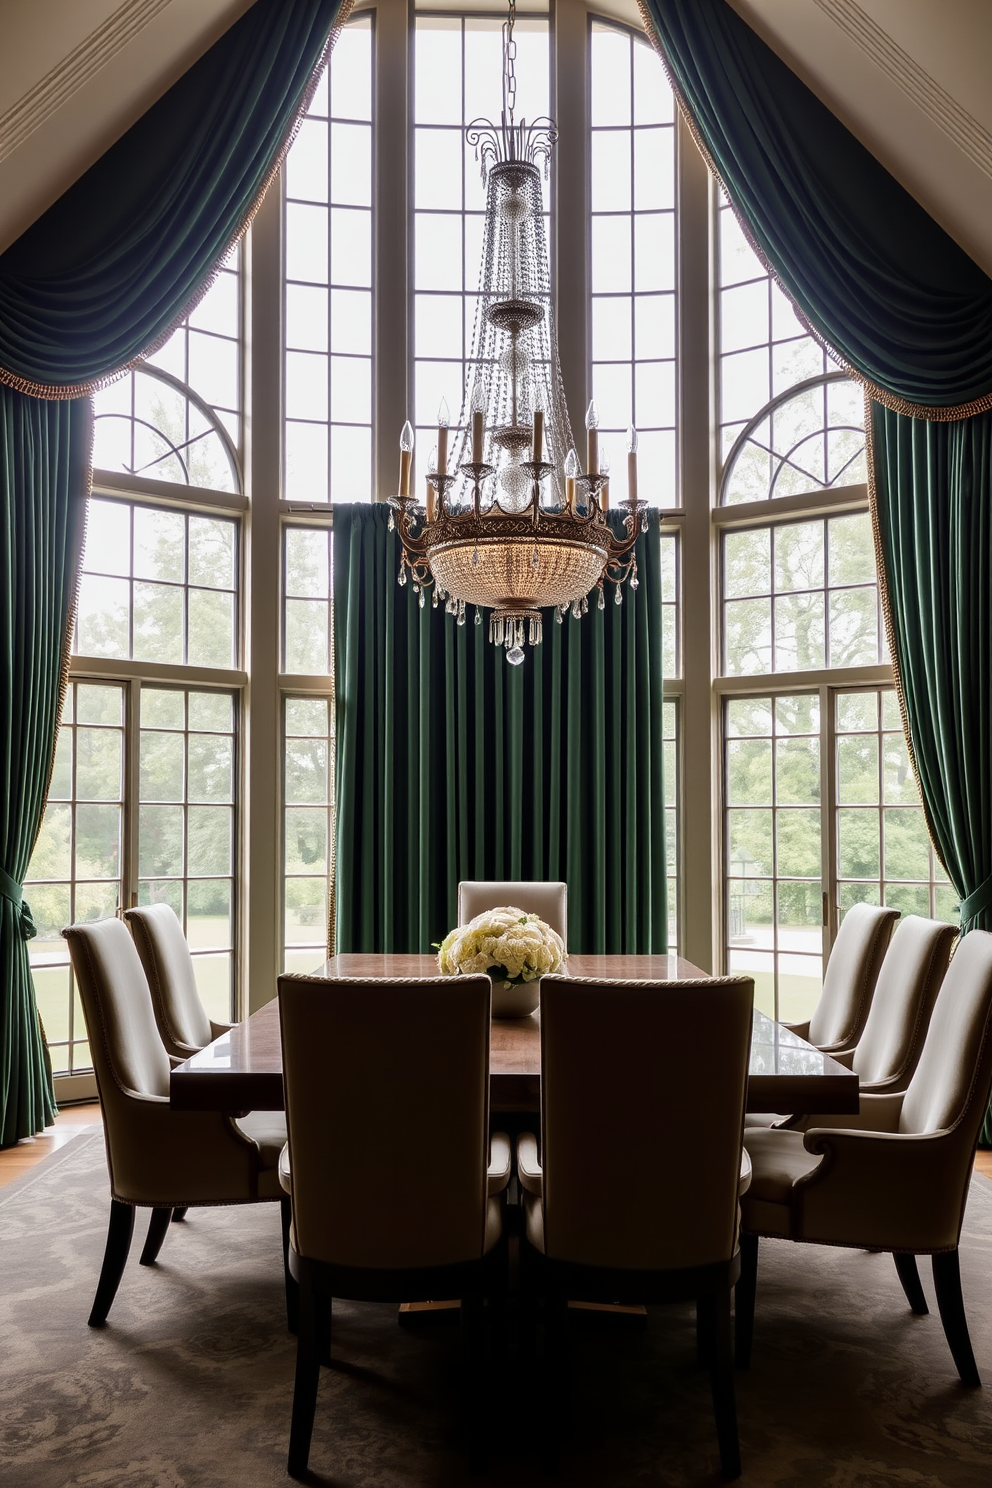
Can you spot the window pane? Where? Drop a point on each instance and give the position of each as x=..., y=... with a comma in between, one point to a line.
x=329, y=299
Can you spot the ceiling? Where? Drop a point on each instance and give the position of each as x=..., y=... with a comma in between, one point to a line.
x=75, y=75
x=909, y=77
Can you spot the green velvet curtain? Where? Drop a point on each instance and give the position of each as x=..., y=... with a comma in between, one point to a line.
x=105, y=274
x=95, y=283
x=937, y=554
x=452, y=764
x=911, y=314
x=867, y=267
x=44, y=478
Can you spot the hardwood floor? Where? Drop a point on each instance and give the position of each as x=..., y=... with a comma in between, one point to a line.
x=20, y=1159
x=27, y=1154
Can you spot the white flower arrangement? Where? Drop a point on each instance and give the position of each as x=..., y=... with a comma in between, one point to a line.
x=512, y=946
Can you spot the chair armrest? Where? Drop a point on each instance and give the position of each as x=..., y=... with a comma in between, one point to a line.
x=529, y=1169
x=499, y=1162
x=846, y=1057
x=285, y=1172
x=884, y=1190
x=746, y=1171
x=802, y=1029
x=880, y=1112
x=216, y=1029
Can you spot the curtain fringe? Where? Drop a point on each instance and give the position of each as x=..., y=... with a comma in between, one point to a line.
x=933, y=413
x=52, y=392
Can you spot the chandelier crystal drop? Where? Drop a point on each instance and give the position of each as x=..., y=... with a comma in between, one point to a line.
x=518, y=526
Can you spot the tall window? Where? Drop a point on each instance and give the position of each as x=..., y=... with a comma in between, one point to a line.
x=814, y=820
x=449, y=196
x=329, y=225
x=634, y=275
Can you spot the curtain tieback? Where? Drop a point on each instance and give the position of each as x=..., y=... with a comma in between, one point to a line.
x=976, y=902
x=12, y=890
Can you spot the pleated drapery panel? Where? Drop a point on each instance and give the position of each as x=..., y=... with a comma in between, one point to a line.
x=105, y=274
x=44, y=474
x=98, y=281
x=869, y=270
x=938, y=556
x=453, y=765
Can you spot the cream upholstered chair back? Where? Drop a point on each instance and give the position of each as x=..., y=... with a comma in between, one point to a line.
x=627, y=1181
x=164, y=954
x=156, y=1155
x=125, y=1046
x=387, y=1104
x=950, y=1087
x=905, y=991
x=548, y=900
x=849, y=980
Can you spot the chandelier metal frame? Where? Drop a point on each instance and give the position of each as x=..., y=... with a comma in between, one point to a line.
x=512, y=535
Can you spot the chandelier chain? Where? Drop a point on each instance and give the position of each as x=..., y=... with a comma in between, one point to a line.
x=509, y=64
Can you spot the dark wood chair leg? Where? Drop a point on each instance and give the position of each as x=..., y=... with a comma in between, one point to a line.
x=180, y=1214
x=744, y=1300
x=158, y=1228
x=908, y=1274
x=114, y=1259
x=305, y=1388
x=947, y=1284
x=473, y=1322
x=556, y=1377
x=704, y=1333
x=714, y=1314
x=292, y=1287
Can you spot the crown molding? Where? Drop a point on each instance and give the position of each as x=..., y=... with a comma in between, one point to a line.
x=74, y=71
x=961, y=127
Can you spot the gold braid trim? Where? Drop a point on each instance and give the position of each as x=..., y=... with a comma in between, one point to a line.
x=51, y=391
x=933, y=413
x=888, y=620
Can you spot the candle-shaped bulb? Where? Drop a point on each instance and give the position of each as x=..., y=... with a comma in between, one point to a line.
x=443, y=420
x=632, y=465
x=571, y=471
x=592, y=439
x=478, y=422
x=406, y=458
x=604, y=463
x=432, y=461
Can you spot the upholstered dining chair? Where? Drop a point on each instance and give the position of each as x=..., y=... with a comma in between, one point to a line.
x=849, y=980
x=896, y=1176
x=848, y=986
x=181, y=1017
x=906, y=988
x=158, y=1158
x=549, y=900
x=397, y=1189
x=628, y=1202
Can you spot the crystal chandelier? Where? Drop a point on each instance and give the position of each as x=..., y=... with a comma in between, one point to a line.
x=517, y=526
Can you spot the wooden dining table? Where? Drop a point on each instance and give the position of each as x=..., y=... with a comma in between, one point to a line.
x=242, y=1070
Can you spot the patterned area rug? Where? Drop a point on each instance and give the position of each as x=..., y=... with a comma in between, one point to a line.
x=190, y=1384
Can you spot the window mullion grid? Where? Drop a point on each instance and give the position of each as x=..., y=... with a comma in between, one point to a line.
x=828, y=815
x=775, y=809
x=132, y=791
